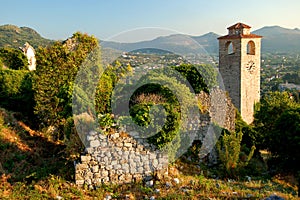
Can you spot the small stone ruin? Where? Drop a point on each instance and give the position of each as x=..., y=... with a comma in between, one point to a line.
x=124, y=157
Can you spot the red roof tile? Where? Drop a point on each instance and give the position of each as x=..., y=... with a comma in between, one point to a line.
x=238, y=26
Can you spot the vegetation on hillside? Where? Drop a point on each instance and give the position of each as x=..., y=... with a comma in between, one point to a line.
x=15, y=37
x=33, y=166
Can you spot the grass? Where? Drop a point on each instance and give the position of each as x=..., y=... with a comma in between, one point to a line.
x=34, y=167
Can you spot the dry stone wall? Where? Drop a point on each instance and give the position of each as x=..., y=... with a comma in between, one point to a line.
x=118, y=158
x=124, y=157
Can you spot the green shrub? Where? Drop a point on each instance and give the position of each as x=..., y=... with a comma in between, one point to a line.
x=16, y=90
x=13, y=59
x=277, y=121
x=201, y=77
x=286, y=141
x=230, y=154
x=249, y=133
x=267, y=113
x=165, y=88
x=1, y=64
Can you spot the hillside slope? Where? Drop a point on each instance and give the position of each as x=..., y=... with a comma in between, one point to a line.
x=15, y=37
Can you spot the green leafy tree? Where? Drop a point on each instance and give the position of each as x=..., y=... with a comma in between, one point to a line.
x=286, y=137
x=13, y=59
x=267, y=113
x=107, y=82
x=57, y=67
x=277, y=121
x=201, y=77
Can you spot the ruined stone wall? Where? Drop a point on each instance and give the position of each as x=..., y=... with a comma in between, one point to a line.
x=123, y=158
x=118, y=158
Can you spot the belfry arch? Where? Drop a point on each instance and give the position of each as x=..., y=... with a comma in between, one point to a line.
x=251, y=48
x=229, y=48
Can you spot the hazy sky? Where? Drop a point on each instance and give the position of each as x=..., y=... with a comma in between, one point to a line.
x=56, y=19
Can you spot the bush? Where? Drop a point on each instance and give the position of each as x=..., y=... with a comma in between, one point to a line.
x=249, y=133
x=13, y=59
x=267, y=113
x=16, y=91
x=286, y=141
x=1, y=64
x=201, y=77
x=230, y=154
x=277, y=121
x=165, y=88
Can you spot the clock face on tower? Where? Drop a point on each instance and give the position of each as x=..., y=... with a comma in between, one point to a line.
x=250, y=66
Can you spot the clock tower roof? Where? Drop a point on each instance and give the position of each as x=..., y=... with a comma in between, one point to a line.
x=238, y=26
x=239, y=30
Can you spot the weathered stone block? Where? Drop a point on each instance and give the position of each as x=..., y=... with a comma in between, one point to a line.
x=94, y=143
x=114, y=162
x=154, y=163
x=78, y=177
x=140, y=170
x=104, y=173
x=95, y=168
x=79, y=182
x=85, y=158
x=81, y=167
x=93, y=133
x=117, y=166
x=97, y=175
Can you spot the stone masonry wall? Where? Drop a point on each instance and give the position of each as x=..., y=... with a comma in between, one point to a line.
x=124, y=158
x=118, y=158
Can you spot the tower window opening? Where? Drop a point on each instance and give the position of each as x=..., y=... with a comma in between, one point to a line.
x=229, y=47
x=251, y=48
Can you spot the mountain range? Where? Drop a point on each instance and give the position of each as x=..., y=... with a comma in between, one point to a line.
x=275, y=39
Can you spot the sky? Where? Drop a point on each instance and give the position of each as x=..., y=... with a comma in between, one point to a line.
x=135, y=20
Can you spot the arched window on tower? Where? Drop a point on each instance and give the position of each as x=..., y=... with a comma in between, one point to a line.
x=229, y=47
x=251, y=48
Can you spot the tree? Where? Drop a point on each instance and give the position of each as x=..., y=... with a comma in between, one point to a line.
x=201, y=77
x=267, y=113
x=13, y=59
x=107, y=82
x=286, y=137
x=57, y=67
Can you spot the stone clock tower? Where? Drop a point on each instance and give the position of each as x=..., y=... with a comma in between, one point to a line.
x=239, y=64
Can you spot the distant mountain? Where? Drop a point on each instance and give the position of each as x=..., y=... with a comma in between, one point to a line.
x=275, y=40
x=177, y=43
x=209, y=42
x=13, y=36
x=278, y=39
